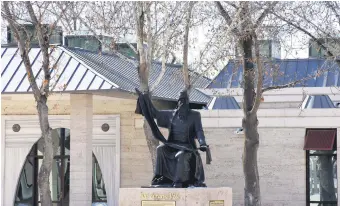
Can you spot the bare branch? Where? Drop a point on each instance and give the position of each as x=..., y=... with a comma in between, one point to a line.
x=232, y=4
x=335, y=10
x=99, y=39
x=43, y=37
x=258, y=96
x=23, y=51
x=149, y=37
x=31, y=12
x=291, y=84
x=59, y=17
x=165, y=43
x=264, y=14
x=224, y=13
x=299, y=81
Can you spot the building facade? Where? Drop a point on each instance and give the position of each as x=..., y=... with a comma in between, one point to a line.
x=124, y=159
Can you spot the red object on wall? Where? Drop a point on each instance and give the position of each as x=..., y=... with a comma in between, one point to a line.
x=319, y=139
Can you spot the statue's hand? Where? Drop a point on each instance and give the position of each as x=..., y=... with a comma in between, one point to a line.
x=203, y=148
x=138, y=92
x=141, y=93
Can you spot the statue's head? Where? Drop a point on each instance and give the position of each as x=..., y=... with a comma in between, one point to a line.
x=183, y=102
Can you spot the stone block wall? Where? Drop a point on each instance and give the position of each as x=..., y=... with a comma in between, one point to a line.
x=281, y=158
x=281, y=162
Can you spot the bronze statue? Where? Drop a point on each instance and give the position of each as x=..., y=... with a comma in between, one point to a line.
x=179, y=163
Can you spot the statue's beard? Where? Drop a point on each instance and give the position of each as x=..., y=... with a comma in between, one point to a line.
x=183, y=111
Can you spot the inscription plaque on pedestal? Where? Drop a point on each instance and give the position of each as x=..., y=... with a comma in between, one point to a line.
x=158, y=203
x=219, y=196
x=216, y=203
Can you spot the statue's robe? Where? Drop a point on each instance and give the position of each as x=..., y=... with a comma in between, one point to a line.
x=178, y=158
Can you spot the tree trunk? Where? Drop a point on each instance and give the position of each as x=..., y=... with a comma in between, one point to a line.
x=249, y=123
x=143, y=69
x=250, y=169
x=46, y=167
x=185, y=47
x=151, y=142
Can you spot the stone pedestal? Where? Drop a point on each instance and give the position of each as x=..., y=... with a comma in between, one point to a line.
x=221, y=196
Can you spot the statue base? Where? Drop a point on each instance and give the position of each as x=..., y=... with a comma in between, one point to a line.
x=219, y=196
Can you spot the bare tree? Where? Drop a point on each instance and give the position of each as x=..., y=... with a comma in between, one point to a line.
x=33, y=13
x=243, y=26
x=155, y=32
x=319, y=22
x=142, y=9
x=245, y=22
x=71, y=15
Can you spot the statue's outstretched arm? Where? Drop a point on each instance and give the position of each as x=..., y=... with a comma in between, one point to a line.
x=163, y=116
x=154, y=111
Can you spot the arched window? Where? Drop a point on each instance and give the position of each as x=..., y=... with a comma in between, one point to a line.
x=27, y=193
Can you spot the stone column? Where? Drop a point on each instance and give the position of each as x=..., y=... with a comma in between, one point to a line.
x=81, y=150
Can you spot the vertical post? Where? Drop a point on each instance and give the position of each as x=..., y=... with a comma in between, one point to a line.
x=62, y=165
x=35, y=165
x=2, y=158
x=81, y=149
x=337, y=168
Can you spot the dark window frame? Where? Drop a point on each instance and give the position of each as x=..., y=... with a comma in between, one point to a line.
x=308, y=155
x=94, y=200
x=34, y=158
x=62, y=157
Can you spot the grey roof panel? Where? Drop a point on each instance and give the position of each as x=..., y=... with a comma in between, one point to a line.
x=66, y=76
x=124, y=73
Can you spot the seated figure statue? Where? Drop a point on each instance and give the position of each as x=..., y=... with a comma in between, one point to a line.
x=178, y=163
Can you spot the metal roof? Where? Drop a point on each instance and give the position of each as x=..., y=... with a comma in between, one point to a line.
x=283, y=71
x=317, y=101
x=123, y=72
x=225, y=102
x=78, y=69
x=68, y=75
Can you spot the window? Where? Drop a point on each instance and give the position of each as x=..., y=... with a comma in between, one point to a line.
x=89, y=43
x=27, y=193
x=27, y=188
x=321, y=156
x=99, y=197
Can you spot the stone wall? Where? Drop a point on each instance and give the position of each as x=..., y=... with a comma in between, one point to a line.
x=281, y=156
x=281, y=164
